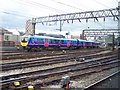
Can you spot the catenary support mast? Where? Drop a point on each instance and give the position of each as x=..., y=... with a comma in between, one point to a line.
x=119, y=17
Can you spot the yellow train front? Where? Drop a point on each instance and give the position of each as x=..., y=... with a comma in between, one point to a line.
x=24, y=41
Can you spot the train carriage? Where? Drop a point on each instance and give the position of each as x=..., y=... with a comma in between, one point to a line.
x=28, y=42
x=54, y=42
x=81, y=43
x=64, y=42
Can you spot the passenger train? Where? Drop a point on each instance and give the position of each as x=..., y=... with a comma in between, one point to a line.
x=35, y=41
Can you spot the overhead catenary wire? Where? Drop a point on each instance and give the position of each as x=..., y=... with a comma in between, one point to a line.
x=13, y=13
x=101, y=3
x=36, y=4
x=29, y=3
x=67, y=5
x=48, y=7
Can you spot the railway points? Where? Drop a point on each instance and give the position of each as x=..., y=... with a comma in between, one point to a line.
x=47, y=72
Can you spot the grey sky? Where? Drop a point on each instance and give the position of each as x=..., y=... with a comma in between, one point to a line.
x=14, y=13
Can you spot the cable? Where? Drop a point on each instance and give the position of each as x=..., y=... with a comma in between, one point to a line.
x=40, y=5
x=67, y=5
x=48, y=7
x=101, y=4
x=12, y=13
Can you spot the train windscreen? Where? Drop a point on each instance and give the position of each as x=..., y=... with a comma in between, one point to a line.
x=24, y=39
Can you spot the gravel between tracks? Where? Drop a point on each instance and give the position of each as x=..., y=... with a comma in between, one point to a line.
x=86, y=80
x=19, y=60
x=17, y=71
x=24, y=70
x=45, y=57
x=78, y=83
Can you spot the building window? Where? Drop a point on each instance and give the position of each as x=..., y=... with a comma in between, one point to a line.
x=7, y=38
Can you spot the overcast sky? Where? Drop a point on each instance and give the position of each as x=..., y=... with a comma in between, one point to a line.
x=14, y=13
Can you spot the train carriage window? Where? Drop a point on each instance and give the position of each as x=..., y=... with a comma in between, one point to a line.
x=32, y=40
x=50, y=41
x=40, y=40
x=71, y=42
x=54, y=41
x=46, y=40
x=62, y=41
x=74, y=42
x=65, y=41
x=58, y=41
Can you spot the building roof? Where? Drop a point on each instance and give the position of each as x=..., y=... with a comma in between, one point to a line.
x=5, y=31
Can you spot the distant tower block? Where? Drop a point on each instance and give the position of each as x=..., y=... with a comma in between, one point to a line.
x=28, y=27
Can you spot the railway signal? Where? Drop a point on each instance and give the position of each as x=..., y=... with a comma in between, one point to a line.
x=65, y=81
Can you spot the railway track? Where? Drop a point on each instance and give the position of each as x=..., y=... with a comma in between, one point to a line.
x=24, y=55
x=62, y=67
x=50, y=75
x=93, y=86
x=86, y=65
x=52, y=60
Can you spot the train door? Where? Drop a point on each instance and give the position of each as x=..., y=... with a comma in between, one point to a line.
x=31, y=41
x=78, y=43
x=59, y=44
x=68, y=43
x=84, y=44
x=46, y=42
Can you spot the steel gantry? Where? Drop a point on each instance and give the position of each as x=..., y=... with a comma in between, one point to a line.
x=77, y=16
x=114, y=12
x=100, y=32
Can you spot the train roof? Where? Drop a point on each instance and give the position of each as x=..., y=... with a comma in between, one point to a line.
x=82, y=40
x=37, y=36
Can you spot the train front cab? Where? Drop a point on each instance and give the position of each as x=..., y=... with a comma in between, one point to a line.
x=24, y=41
